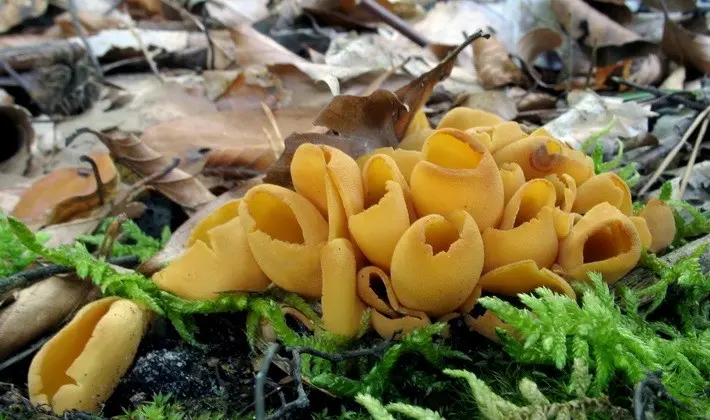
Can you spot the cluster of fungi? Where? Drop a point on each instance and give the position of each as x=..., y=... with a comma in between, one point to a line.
x=416, y=234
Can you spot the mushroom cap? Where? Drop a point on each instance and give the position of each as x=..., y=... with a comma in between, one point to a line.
x=607, y=187
x=342, y=309
x=513, y=178
x=605, y=240
x=79, y=368
x=463, y=118
x=534, y=240
x=457, y=173
x=405, y=159
x=661, y=223
x=523, y=277
x=506, y=133
x=285, y=233
x=437, y=262
x=566, y=191
x=527, y=202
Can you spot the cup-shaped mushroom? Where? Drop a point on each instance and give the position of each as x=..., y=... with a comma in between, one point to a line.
x=523, y=277
x=607, y=187
x=285, y=233
x=481, y=137
x=534, y=240
x=377, y=229
x=415, y=141
x=506, y=133
x=463, y=118
x=218, y=260
x=405, y=159
x=527, y=202
x=437, y=262
x=539, y=156
x=513, y=178
x=374, y=287
x=79, y=368
x=458, y=173
x=419, y=122
x=661, y=224
x=309, y=167
x=566, y=191
x=605, y=240
x=393, y=328
x=643, y=230
x=486, y=325
x=342, y=308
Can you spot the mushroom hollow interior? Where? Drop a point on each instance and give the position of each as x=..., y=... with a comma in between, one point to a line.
x=275, y=218
x=447, y=151
x=607, y=242
x=378, y=171
x=440, y=234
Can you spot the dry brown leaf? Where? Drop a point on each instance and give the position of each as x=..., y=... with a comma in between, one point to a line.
x=367, y=119
x=531, y=101
x=644, y=70
x=38, y=309
x=686, y=47
x=589, y=26
x=672, y=5
x=91, y=23
x=66, y=193
x=615, y=10
x=151, y=6
x=178, y=240
x=415, y=94
x=537, y=41
x=14, y=12
x=494, y=65
x=18, y=136
x=177, y=185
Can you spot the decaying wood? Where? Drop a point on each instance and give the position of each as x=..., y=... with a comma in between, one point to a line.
x=640, y=278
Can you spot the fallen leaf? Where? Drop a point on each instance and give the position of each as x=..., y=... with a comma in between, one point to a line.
x=66, y=193
x=675, y=80
x=232, y=13
x=177, y=185
x=686, y=47
x=91, y=23
x=615, y=10
x=697, y=192
x=590, y=114
x=537, y=41
x=530, y=101
x=672, y=5
x=178, y=240
x=153, y=7
x=14, y=12
x=446, y=22
x=494, y=65
x=39, y=309
x=643, y=70
x=587, y=25
x=18, y=138
x=366, y=119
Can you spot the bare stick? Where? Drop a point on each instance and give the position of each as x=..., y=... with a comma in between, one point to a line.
x=693, y=157
x=259, y=401
x=394, y=21
x=19, y=356
x=662, y=167
x=189, y=16
x=676, y=97
x=130, y=24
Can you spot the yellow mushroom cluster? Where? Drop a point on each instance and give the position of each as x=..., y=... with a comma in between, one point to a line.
x=419, y=232
x=416, y=233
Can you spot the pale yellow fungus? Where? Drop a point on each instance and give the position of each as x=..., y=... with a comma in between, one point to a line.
x=603, y=188
x=342, y=309
x=661, y=224
x=463, y=118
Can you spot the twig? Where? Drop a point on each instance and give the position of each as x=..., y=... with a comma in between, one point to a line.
x=394, y=21
x=189, y=16
x=23, y=277
x=377, y=350
x=592, y=65
x=80, y=31
x=662, y=167
x=277, y=144
x=150, y=179
x=130, y=24
x=19, y=356
x=301, y=402
x=675, y=97
x=647, y=392
x=99, y=183
x=259, y=400
x=693, y=157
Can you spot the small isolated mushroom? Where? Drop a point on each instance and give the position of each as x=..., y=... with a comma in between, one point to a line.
x=218, y=259
x=603, y=188
x=506, y=133
x=527, y=202
x=342, y=309
x=388, y=315
x=513, y=178
x=405, y=159
x=605, y=240
x=457, y=173
x=437, y=262
x=313, y=162
x=661, y=224
x=539, y=156
x=285, y=233
x=377, y=229
x=79, y=368
x=463, y=118
x=535, y=239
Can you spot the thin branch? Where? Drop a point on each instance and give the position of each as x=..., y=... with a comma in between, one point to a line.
x=19, y=356
x=23, y=277
x=131, y=25
x=97, y=175
x=693, y=156
x=394, y=21
x=259, y=399
x=80, y=31
x=189, y=16
x=112, y=232
x=301, y=402
x=675, y=97
x=151, y=179
x=377, y=350
x=647, y=392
